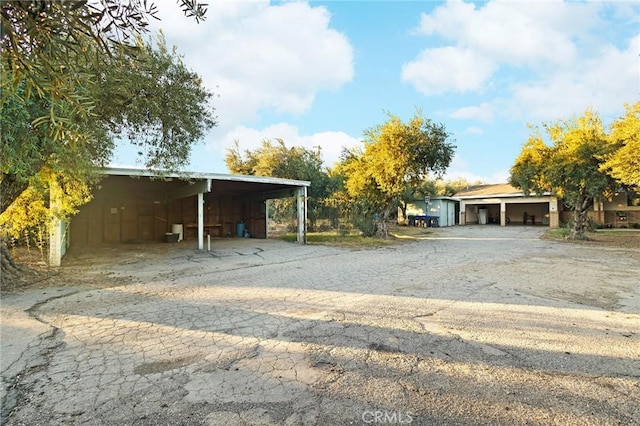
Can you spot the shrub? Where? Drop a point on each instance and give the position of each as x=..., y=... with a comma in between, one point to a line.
x=367, y=225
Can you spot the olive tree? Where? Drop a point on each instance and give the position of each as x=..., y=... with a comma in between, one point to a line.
x=274, y=158
x=568, y=164
x=394, y=155
x=146, y=96
x=623, y=164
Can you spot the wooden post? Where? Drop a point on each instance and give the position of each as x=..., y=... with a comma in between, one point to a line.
x=56, y=227
x=463, y=213
x=266, y=218
x=302, y=215
x=554, y=221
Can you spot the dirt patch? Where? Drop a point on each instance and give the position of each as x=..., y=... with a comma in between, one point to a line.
x=32, y=270
x=82, y=266
x=623, y=238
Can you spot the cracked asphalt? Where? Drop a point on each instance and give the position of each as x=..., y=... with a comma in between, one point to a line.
x=471, y=325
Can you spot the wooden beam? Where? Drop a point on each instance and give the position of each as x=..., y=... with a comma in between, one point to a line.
x=195, y=188
x=281, y=193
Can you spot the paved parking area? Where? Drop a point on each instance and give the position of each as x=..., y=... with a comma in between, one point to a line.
x=472, y=325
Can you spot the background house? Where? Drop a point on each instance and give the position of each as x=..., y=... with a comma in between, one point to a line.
x=503, y=204
x=621, y=211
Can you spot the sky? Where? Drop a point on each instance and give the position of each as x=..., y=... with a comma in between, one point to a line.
x=320, y=73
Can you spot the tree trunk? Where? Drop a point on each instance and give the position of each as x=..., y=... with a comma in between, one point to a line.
x=10, y=189
x=381, y=223
x=580, y=218
x=403, y=209
x=10, y=271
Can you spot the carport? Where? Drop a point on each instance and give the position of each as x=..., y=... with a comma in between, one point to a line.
x=134, y=205
x=503, y=204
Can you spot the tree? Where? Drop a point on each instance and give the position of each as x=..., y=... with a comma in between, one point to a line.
x=147, y=96
x=395, y=154
x=27, y=148
x=47, y=47
x=150, y=98
x=277, y=160
x=40, y=40
x=570, y=167
x=623, y=164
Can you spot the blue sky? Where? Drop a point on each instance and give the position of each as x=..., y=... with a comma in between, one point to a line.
x=321, y=72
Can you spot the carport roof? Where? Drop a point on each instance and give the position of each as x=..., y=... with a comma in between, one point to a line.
x=119, y=171
x=262, y=186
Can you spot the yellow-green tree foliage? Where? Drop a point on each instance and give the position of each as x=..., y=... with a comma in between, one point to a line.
x=275, y=159
x=570, y=166
x=59, y=86
x=395, y=154
x=27, y=219
x=624, y=163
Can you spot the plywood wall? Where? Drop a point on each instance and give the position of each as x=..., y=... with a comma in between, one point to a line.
x=127, y=210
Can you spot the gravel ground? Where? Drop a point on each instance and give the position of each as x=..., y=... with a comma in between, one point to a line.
x=469, y=325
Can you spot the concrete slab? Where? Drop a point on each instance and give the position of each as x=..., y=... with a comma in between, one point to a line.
x=471, y=325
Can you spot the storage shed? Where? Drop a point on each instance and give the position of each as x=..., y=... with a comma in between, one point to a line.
x=134, y=205
x=445, y=209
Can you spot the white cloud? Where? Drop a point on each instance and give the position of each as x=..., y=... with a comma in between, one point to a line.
x=259, y=55
x=539, y=60
x=447, y=69
x=331, y=143
x=482, y=112
x=604, y=82
x=514, y=32
x=473, y=131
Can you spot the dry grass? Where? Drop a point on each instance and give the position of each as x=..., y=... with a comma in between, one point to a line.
x=397, y=235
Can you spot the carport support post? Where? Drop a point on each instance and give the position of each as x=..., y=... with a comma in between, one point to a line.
x=302, y=215
x=200, y=221
x=56, y=234
x=503, y=213
x=463, y=213
x=266, y=217
x=56, y=240
x=554, y=220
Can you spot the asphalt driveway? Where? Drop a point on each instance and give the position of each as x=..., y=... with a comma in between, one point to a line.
x=471, y=325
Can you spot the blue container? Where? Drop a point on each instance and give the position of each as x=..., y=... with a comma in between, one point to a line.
x=240, y=229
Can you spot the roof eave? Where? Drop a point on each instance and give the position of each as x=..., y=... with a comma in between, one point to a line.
x=519, y=195
x=122, y=171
